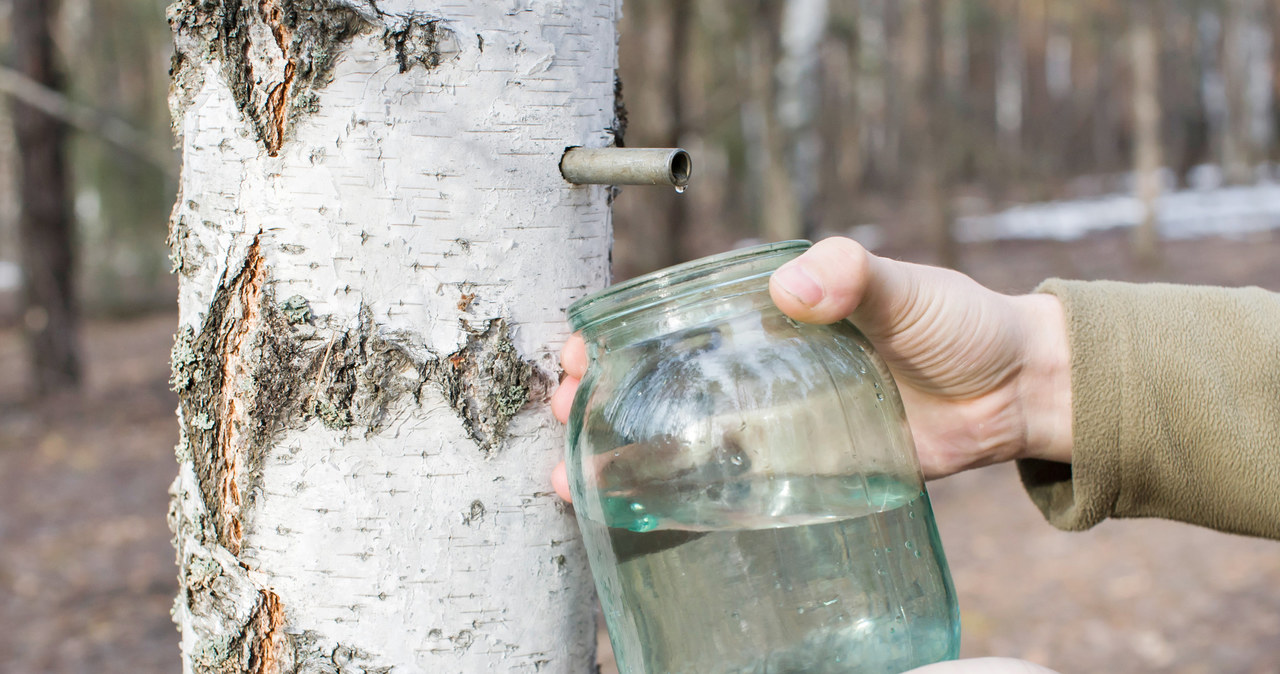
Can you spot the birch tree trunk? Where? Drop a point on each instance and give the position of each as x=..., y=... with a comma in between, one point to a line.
x=1010, y=76
x=375, y=248
x=804, y=25
x=873, y=98
x=933, y=176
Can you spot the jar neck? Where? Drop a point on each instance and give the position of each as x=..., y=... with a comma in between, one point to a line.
x=696, y=293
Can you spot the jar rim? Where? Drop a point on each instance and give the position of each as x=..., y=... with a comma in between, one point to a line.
x=633, y=294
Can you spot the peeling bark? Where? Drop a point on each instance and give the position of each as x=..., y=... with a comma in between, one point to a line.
x=419, y=41
x=255, y=370
x=360, y=378
x=250, y=374
x=487, y=383
x=267, y=640
x=237, y=379
x=275, y=55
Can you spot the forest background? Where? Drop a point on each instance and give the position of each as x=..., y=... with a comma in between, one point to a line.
x=1012, y=139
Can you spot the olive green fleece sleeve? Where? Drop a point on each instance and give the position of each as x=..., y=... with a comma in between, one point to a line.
x=1175, y=405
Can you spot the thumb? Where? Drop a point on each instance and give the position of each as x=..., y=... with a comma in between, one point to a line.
x=825, y=284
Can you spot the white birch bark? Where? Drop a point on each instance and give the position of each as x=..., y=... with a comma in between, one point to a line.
x=1212, y=84
x=804, y=25
x=375, y=248
x=1010, y=72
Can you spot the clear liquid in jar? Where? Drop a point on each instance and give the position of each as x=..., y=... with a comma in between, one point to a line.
x=773, y=575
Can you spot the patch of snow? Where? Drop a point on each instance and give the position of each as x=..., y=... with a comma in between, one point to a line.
x=1209, y=209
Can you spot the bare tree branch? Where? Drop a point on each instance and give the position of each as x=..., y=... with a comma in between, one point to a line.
x=90, y=120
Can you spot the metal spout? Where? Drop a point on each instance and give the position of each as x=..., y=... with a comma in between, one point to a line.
x=626, y=166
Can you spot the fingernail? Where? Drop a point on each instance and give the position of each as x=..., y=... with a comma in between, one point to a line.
x=799, y=283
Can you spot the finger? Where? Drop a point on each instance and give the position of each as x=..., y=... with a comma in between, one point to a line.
x=825, y=284
x=573, y=356
x=560, y=482
x=562, y=399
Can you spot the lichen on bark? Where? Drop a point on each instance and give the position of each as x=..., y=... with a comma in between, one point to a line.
x=487, y=383
x=360, y=378
x=419, y=41
x=273, y=55
x=237, y=379
x=276, y=55
x=257, y=367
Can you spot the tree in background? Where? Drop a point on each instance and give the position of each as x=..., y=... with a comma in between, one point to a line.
x=931, y=111
x=375, y=249
x=45, y=222
x=1145, y=49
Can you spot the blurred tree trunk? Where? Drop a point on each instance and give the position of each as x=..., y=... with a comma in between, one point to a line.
x=804, y=24
x=934, y=171
x=1273, y=26
x=1242, y=56
x=1212, y=89
x=375, y=250
x=764, y=135
x=45, y=223
x=1145, y=52
x=1010, y=84
x=843, y=123
x=1040, y=122
x=1235, y=147
x=955, y=46
x=872, y=87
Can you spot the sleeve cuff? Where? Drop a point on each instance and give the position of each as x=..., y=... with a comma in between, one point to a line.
x=1079, y=495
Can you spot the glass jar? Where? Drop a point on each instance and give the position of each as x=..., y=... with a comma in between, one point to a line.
x=746, y=485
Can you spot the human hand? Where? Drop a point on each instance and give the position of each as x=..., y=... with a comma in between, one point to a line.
x=984, y=377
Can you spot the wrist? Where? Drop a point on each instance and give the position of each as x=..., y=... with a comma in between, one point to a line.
x=1044, y=382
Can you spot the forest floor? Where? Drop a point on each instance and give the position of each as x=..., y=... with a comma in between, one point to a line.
x=87, y=574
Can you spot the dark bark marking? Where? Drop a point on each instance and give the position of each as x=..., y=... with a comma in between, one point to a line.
x=420, y=41
x=277, y=101
x=475, y=514
x=487, y=383
x=312, y=654
x=251, y=373
x=463, y=640
x=231, y=378
x=258, y=643
x=256, y=368
x=359, y=378
x=307, y=34
x=186, y=252
x=619, y=128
